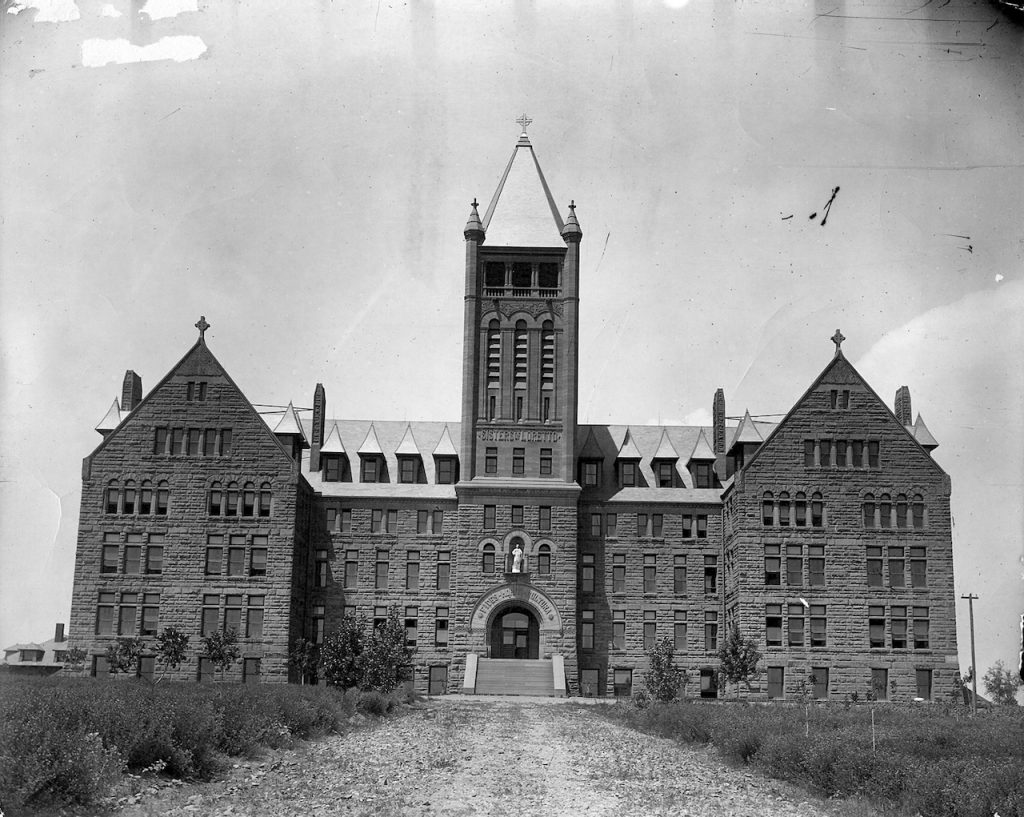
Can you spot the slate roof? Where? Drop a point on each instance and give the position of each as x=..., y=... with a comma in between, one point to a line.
x=112, y=419
x=522, y=212
x=702, y=449
x=408, y=447
x=290, y=424
x=923, y=435
x=333, y=443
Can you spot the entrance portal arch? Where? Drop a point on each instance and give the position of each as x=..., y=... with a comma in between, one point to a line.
x=518, y=619
x=515, y=633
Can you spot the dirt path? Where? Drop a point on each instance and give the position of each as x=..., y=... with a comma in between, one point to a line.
x=498, y=757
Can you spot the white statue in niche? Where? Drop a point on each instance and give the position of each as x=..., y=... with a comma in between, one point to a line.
x=517, y=559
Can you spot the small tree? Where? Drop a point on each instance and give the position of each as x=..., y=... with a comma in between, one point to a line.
x=665, y=680
x=1001, y=684
x=339, y=660
x=171, y=648
x=74, y=659
x=384, y=654
x=738, y=657
x=221, y=648
x=123, y=655
x=304, y=659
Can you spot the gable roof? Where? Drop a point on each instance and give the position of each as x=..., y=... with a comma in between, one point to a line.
x=112, y=419
x=370, y=445
x=746, y=432
x=666, y=451
x=444, y=447
x=408, y=447
x=522, y=212
x=628, y=449
x=333, y=443
x=289, y=423
x=921, y=433
x=702, y=449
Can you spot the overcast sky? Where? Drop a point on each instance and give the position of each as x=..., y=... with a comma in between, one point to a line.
x=301, y=175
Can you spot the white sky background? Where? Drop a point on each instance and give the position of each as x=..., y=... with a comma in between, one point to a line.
x=303, y=180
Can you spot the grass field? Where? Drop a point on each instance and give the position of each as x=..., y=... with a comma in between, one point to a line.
x=932, y=760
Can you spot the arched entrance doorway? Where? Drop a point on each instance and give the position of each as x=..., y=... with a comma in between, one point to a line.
x=515, y=633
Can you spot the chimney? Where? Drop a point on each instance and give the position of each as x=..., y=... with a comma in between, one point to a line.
x=131, y=392
x=718, y=422
x=58, y=635
x=902, y=407
x=317, y=440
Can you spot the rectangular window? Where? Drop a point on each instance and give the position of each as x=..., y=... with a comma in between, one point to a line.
x=380, y=617
x=650, y=573
x=776, y=682
x=618, y=629
x=923, y=677
x=710, y=631
x=591, y=474
x=920, y=628
x=679, y=575
x=392, y=521
x=108, y=563
x=251, y=671
x=491, y=461
x=611, y=522
x=369, y=469
x=438, y=520
x=411, y=626
x=619, y=573
x=623, y=683
x=320, y=571
x=794, y=565
x=825, y=449
x=376, y=520
x=159, y=440
x=819, y=625
x=840, y=453
x=816, y=565
x=351, y=569
x=192, y=442
x=857, y=454
x=710, y=575
x=487, y=560
x=872, y=455
x=214, y=556
x=441, y=627
x=225, y=441
x=490, y=517
x=254, y=617
x=177, y=440
x=874, y=564
x=587, y=574
x=876, y=626
x=899, y=627
x=412, y=570
x=445, y=471
x=444, y=569
x=544, y=517
x=381, y=571
x=210, y=614
x=209, y=442
x=773, y=565
x=105, y=614
x=518, y=461
x=112, y=498
x=587, y=629
x=628, y=471
x=258, y=557
x=332, y=468
x=702, y=526
x=545, y=462
x=657, y=525
x=422, y=518
x=595, y=524
x=150, y=614
x=233, y=613
x=650, y=630
x=346, y=520
x=897, y=568
x=773, y=625
x=665, y=477
x=407, y=469
x=918, y=567
x=330, y=518
x=687, y=523
x=808, y=453
x=796, y=625
x=880, y=683
x=679, y=631
x=236, y=557
x=517, y=515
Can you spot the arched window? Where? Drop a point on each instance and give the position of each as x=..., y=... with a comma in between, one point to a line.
x=163, y=497
x=885, y=511
x=231, y=506
x=146, y=498
x=216, y=499
x=901, y=510
x=544, y=560
x=129, y=497
x=917, y=509
x=265, y=499
x=112, y=497
x=767, y=509
x=547, y=355
x=869, y=510
x=784, y=509
x=493, y=355
x=487, y=563
x=800, y=510
x=817, y=510
x=249, y=499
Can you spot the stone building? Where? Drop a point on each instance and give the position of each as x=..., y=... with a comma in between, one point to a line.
x=524, y=551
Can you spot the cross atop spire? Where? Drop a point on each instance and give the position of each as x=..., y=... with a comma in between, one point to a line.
x=202, y=326
x=524, y=122
x=838, y=339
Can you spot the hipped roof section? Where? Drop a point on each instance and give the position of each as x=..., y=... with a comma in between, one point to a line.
x=522, y=212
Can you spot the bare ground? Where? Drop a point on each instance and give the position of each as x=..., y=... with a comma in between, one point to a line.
x=498, y=757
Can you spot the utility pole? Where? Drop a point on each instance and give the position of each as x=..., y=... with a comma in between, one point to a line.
x=974, y=664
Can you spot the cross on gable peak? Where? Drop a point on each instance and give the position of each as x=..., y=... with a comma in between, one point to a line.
x=838, y=339
x=202, y=326
x=524, y=122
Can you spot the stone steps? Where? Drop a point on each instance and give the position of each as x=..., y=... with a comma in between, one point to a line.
x=504, y=676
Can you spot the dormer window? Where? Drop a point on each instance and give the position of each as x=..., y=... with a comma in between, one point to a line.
x=410, y=470
x=372, y=468
x=336, y=468
x=627, y=474
x=665, y=473
x=590, y=473
x=447, y=469
x=703, y=475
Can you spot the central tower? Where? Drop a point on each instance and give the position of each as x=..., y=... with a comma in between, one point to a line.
x=521, y=331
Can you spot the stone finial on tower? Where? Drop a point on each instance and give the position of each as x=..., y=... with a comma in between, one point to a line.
x=718, y=422
x=571, y=231
x=317, y=432
x=902, y=407
x=474, y=227
x=131, y=391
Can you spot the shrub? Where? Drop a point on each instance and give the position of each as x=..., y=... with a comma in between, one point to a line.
x=664, y=678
